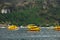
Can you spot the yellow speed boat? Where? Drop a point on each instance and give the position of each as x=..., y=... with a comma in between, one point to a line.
x=13, y=27
x=57, y=28
x=32, y=27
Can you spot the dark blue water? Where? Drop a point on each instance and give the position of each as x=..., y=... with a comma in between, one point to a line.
x=23, y=34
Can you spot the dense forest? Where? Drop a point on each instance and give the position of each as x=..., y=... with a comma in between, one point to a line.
x=39, y=12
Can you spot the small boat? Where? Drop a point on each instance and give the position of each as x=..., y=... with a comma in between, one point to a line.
x=13, y=27
x=57, y=28
x=32, y=27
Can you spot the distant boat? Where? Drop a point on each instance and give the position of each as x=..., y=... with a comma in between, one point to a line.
x=2, y=27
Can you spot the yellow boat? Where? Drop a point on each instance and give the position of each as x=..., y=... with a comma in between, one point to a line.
x=13, y=27
x=57, y=28
x=32, y=27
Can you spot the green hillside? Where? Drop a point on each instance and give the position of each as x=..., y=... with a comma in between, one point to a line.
x=33, y=13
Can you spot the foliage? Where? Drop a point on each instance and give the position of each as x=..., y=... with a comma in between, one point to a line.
x=32, y=15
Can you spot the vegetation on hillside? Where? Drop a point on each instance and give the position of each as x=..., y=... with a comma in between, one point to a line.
x=33, y=13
